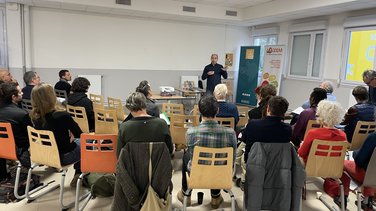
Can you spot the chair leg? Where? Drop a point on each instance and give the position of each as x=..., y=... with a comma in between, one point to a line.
x=27, y=189
x=61, y=196
x=304, y=190
x=232, y=199
x=342, y=195
x=185, y=200
x=358, y=192
x=86, y=197
x=18, y=172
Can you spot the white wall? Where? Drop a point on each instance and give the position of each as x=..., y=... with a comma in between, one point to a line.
x=124, y=50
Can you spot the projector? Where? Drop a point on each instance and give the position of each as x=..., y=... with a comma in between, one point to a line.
x=166, y=89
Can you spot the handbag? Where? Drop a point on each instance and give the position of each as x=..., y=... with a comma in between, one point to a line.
x=152, y=201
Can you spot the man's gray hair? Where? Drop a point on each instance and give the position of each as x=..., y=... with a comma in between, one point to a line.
x=328, y=86
x=29, y=76
x=369, y=74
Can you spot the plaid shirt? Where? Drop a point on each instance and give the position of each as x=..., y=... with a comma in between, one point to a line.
x=210, y=134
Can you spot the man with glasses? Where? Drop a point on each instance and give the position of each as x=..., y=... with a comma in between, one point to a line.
x=369, y=77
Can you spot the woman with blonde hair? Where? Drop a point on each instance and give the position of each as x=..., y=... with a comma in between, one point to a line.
x=225, y=109
x=45, y=117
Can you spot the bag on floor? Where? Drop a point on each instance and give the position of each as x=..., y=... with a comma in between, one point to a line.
x=7, y=187
x=101, y=184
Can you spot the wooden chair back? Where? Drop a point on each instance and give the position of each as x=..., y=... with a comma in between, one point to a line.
x=172, y=108
x=98, y=153
x=61, y=93
x=26, y=105
x=369, y=178
x=326, y=159
x=116, y=104
x=43, y=147
x=179, y=125
x=243, y=115
x=312, y=124
x=362, y=130
x=79, y=115
x=211, y=168
x=105, y=121
x=196, y=111
x=97, y=100
x=7, y=143
x=226, y=121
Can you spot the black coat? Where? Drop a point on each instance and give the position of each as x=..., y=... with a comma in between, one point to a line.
x=81, y=99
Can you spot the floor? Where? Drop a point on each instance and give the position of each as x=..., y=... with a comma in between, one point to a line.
x=50, y=200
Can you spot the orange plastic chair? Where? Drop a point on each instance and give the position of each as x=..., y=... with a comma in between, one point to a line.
x=98, y=154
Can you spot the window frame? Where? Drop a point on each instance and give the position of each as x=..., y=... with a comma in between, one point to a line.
x=3, y=36
x=345, y=53
x=308, y=76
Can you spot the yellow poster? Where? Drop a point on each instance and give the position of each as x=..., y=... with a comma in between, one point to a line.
x=361, y=54
x=250, y=53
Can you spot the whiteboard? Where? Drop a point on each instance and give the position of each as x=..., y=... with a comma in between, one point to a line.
x=95, y=83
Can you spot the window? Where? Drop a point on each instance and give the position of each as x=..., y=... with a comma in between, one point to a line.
x=306, y=55
x=359, y=48
x=3, y=46
x=262, y=41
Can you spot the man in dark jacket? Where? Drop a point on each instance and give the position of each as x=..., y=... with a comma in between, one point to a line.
x=63, y=84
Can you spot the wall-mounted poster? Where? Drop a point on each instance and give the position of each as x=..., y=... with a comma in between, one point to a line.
x=273, y=63
x=229, y=59
x=250, y=53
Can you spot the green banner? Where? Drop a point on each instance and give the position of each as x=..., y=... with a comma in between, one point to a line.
x=248, y=75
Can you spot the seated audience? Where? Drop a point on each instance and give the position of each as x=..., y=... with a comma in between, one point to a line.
x=300, y=126
x=5, y=76
x=208, y=134
x=265, y=93
x=329, y=114
x=46, y=117
x=362, y=111
x=270, y=129
x=142, y=127
x=10, y=96
x=357, y=169
x=78, y=97
x=328, y=86
x=63, y=84
x=31, y=79
x=225, y=109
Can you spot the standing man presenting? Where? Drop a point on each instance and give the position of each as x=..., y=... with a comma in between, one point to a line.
x=213, y=73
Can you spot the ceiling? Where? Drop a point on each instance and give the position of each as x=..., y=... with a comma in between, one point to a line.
x=250, y=12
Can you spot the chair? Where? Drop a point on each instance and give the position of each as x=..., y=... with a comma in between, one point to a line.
x=8, y=151
x=211, y=169
x=243, y=115
x=226, y=121
x=98, y=154
x=179, y=125
x=362, y=130
x=115, y=104
x=61, y=93
x=79, y=115
x=26, y=105
x=172, y=108
x=44, y=151
x=325, y=160
x=97, y=100
x=369, y=178
x=105, y=121
x=311, y=125
x=195, y=110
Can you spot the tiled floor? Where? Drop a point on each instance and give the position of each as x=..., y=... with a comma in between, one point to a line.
x=50, y=201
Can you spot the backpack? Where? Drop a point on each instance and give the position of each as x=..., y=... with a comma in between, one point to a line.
x=7, y=187
x=101, y=184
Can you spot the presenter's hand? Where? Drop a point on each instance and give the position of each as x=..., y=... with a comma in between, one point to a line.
x=225, y=68
x=211, y=73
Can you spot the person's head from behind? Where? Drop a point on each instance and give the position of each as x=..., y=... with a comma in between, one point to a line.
x=277, y=106
x=208, y=106
x=136, y=102
x=316, y=96
x=43, y=101
x=5, y=76
x=144, y=88
x=220, y=92
x=80, y=84
x=267, y=91
x=369, y=78
x=65, y=74
x=31, y=78
x=10, y=92
x=214, y=58
x=329, y=113
x=328, y=86
x=360, y=93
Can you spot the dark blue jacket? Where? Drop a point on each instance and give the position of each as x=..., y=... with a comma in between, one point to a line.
x=364, y=112
x=215, y=79
x=228, y=110
x=363, y=156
